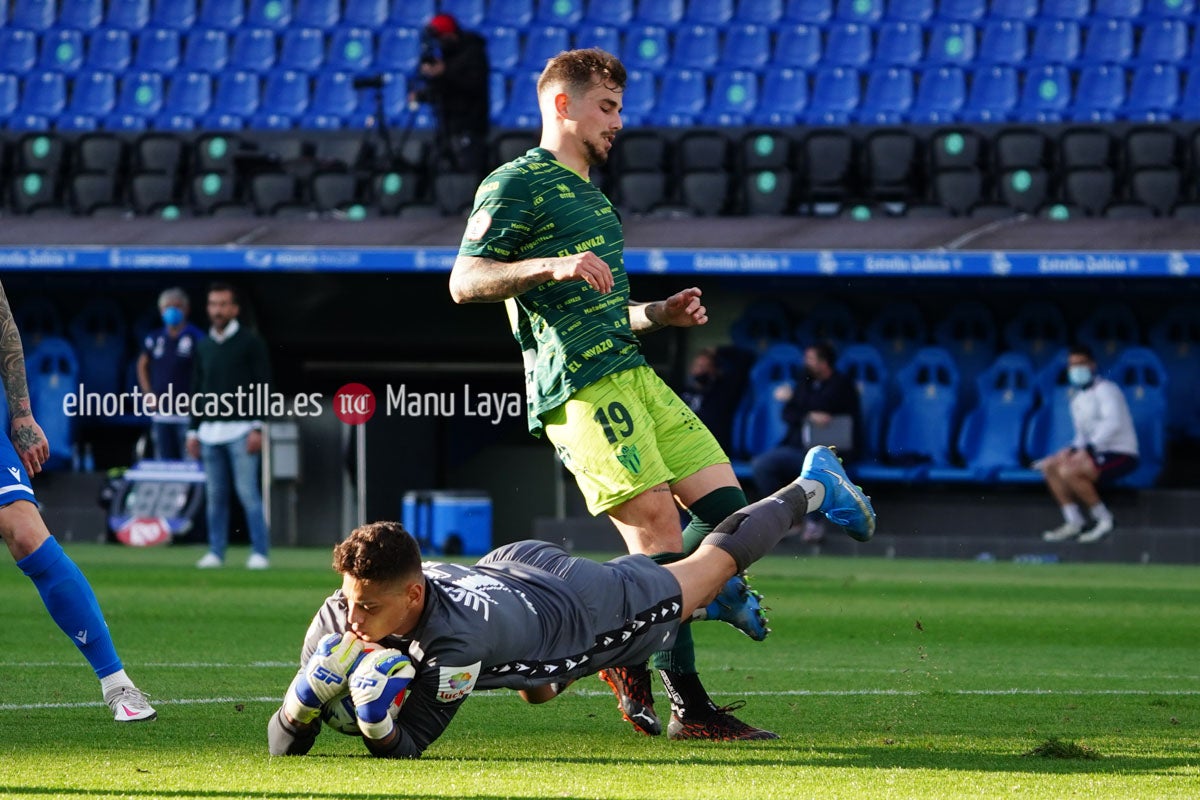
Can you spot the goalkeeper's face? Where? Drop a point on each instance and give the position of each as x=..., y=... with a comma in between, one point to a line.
x=377, y=609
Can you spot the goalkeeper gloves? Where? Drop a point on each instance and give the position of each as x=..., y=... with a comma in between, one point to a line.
x=376, y=684
x=323, y=677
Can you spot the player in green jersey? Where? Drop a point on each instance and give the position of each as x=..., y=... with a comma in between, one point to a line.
x=548, y=243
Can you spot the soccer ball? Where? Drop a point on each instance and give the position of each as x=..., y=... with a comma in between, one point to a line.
x=339, y=714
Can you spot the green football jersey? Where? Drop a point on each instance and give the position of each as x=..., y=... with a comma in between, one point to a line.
x=570, y=334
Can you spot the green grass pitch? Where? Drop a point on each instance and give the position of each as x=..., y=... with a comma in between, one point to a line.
x=885, y=679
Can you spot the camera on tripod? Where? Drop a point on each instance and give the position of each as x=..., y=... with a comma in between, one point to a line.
x=431, y=48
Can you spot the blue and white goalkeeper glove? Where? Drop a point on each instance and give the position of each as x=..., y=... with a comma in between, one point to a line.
x=376, y=684
x=323, y=677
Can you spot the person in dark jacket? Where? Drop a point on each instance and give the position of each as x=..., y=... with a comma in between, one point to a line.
x=456, y=73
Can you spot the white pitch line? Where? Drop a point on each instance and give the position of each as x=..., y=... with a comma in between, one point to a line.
x=786, y=693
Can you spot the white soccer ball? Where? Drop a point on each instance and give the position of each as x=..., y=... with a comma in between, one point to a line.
x=338, y=714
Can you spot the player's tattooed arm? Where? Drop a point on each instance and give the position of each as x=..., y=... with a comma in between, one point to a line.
x=12, y=363
x=475, y=279
x=644, y=317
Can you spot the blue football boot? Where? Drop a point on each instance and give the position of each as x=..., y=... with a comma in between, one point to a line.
x=845, y=504
x=740, y=606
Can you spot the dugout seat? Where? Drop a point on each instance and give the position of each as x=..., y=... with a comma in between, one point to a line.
x=898, y=331
x=1038, y=329
x=37, y=318
x=1143, y=379
x=1108, y=330
x=762, y=324
x=52, y=369
x=98, y=332
x=828, y=321
x=864, y=365
x=968, y=332
x=759, y=423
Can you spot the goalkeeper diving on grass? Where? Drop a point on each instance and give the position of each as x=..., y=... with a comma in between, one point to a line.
x=394, y=652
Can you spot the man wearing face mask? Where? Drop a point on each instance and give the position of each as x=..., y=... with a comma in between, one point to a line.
x=1105, y=448
x=165, y=368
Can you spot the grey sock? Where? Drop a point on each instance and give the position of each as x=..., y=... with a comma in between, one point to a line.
x=751, y=533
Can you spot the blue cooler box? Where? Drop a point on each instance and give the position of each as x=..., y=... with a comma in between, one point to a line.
x=449, y=522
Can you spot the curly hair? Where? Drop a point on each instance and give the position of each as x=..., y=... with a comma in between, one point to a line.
x=579, y=70
x=378, y=551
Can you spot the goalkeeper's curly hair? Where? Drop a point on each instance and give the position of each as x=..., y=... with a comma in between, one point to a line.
x=378, y=551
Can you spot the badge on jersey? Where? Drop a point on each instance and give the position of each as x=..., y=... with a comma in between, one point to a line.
x=478, y=225
x=455, y=683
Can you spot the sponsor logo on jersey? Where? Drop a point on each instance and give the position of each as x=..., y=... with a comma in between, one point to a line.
x=455, y=683
x=478, y=225
x=630, y=458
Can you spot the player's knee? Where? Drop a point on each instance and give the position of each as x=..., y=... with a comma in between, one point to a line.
x=22, y=528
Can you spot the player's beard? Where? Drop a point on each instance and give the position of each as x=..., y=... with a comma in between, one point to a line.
x=595, y=156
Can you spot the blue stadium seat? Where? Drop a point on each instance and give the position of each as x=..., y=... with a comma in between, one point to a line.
x=10, y=94
x=109, y=49
x=1024, y=10
x=98, y=332
x=682, y=96
x=498, y=95
x=847, y=44
x=53, y=373
x=665, y=13
x=176, y=15
x=606, y=37
x=93, y=96
x=563, y=13
x=993, y=96
x=541, y=44
x=863, y=364
x=888, y=98
x=128, y=15
x=369, y=14
x=207, y=50
x=797, y=45
x=866, y=12
x=222, y=15
x=919, y=11
x=1003, y=41
x=189, y=97
x=784, y=97
x=898, y=331
x=828, y=321
x=1046, y=94
x=1055, y=41
x=810, y=12
x=1099, y=94
x=1175, y=338
x=34, y=15
x=734, y=97
x=410, y=13
x=696, y=47
x=941, y=95
x=1109, y=329
x=761, y=426
x=302, y=49
x=1175, y=9
x=608, y=13
x=1143, y=379
x=1050, y=427
x=139, y=98
x=43, y=98
x=38, y=318
x=320, y=14
x=1108, y=41
x=761, y=324
x=62, y=50
x=962, y=10
x=400, y=50
x=285, y=98
x=350, y=50
x=80, y=15
x=899, y=44
x=641, y=92
x=277, y=14
x=1118, y=9
x=503, y=46
x=1038, y=329
x=713, y=12
x=1154, y=94
x=253, y=50
x=469, y=13
x=835, y=96
x=1066, y=9
x=989, y=440
x=758, y=12
x=1191, y=90
x=18, y=50
x=334, y=101
x=921, y=428
x=157, y=50
x=235, y=100
x=951, y=43
x=746, y=46
x=522, y=109
x=1163, y=41
x=968, y=332
x=646, y=47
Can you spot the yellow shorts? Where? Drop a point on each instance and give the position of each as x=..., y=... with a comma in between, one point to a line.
x=626, y=433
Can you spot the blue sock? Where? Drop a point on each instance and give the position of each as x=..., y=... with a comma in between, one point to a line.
x=72, y=603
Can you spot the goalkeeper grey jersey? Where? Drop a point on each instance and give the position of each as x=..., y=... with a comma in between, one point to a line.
x=525, y=615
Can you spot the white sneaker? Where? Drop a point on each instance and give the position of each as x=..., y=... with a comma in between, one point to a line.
x=128, y=704
x=257, y=561
x=1102, y=528
x=210, y=561
x=1068, y=530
